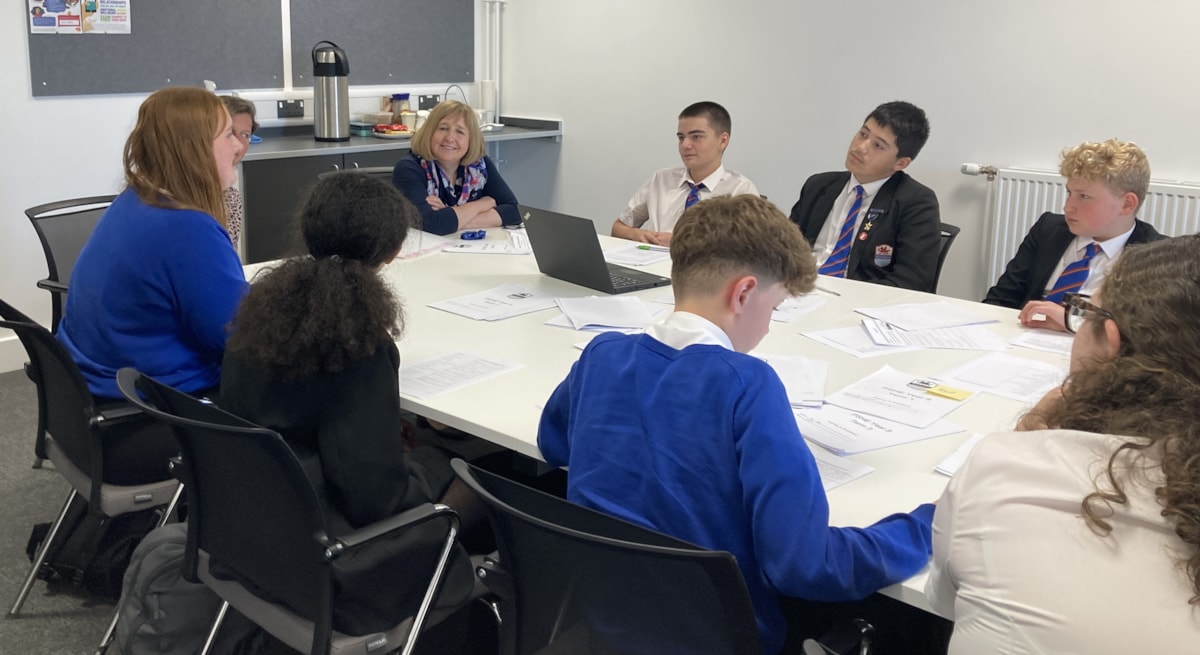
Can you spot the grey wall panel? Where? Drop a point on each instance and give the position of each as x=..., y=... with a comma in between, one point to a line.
x=388, y=41
x=236, y=43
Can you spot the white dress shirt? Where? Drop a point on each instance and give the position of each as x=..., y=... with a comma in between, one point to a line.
x=1019, y=571
x=683, y=329
x=1106, y=254
x=827, y=239
x=658, y=205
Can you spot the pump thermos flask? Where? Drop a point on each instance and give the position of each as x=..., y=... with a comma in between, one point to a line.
x=331, y=93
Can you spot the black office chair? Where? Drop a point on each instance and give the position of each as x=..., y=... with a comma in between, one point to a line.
x=63, y=227
x=949, y=234
x=571, y=580
x=75, y=428
x=256, y=531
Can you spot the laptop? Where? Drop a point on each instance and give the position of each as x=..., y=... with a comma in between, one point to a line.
x=567, y=248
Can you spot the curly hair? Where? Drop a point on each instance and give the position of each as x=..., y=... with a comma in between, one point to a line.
x=1150, y=390
x=1120, y=165
x=323, y=312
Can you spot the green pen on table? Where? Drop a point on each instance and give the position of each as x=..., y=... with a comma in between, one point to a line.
x=645, y=246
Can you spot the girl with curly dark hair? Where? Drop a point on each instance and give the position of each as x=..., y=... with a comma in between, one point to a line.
x=1062, y=537
x=313, y=356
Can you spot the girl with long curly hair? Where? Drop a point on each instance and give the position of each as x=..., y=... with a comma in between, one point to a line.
x=1081, y=532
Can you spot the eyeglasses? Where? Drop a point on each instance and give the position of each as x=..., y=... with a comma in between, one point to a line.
x=1075, y=310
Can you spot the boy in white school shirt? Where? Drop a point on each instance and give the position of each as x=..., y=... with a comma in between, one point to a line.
x=1071, y=252
x=703, y=135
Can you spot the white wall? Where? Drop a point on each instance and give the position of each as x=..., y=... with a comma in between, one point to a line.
x=1004, y=83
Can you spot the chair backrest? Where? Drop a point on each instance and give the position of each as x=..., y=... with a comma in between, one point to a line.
x=251, y=507
x=63, y=396
x=583, y=581
x=64, y=227
x=949, y=234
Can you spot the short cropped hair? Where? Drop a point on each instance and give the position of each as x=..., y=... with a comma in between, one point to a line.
x=907, y=121
x=422, y=141
x=727, y=236
x=1120, y=165
x=717, y=116
x=237, y=105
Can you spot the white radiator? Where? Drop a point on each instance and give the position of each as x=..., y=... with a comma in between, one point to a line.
x=1020, y=196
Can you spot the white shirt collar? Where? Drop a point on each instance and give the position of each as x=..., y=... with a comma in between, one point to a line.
x=709, y=182
x=869, y=189
x=1111, y=247
x=683, y=329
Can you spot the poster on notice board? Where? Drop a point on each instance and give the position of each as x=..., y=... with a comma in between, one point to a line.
x=79, y=16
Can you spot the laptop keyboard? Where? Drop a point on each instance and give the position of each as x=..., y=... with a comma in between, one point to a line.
x=621, y=281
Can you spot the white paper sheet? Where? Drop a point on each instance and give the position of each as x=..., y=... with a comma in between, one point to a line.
x=449, y=372
x=950, y=465
x=847, y=432
x=1007, y=376
x=854, y=340
x=606, y=311
x=836, y=471
x=504, y=301
x=803, y=378
x=793, y=308
x=925, y=315
x=516, y=244
x=634, y=255
x=895, y=396
x=417, y=243
x=967, y=337
x=1058, y=343
x=667, y=297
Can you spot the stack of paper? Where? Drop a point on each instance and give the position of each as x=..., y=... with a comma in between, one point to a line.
x=418, y=243
x=793, y=308
x=925, y=315
x=516, y=244
x=803, y=378
x=449, y=372
x=504, y=301
x=1008, y=376
x=900, y=397
x=600, y=314
x=637, y=255
x=966, y=337
x=854, y=340
x=950, y=465
x=847, y=432
x=1051, y=342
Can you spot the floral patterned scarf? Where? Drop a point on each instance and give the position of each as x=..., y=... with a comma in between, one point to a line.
x=474, y=178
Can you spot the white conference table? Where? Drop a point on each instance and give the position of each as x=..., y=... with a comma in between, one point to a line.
x=505, y=410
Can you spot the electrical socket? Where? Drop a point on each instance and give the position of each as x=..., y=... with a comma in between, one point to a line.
x=290, y=109
x=428, y=102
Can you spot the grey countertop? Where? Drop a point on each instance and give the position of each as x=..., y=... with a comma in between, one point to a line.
x=281, y=144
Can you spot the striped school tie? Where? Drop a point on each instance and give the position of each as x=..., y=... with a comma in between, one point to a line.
x=693, y=194
x=1073, y=276
x=835, y=265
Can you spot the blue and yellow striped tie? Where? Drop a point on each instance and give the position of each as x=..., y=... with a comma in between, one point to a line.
x=835, y=265
x=1073, y=276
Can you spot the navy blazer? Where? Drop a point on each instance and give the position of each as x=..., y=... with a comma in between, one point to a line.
x=900, y=236
x=1026, y=276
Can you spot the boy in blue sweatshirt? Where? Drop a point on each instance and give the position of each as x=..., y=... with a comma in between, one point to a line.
x=680, y=431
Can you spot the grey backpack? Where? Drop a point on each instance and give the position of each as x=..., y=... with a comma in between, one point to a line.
x=160, y=612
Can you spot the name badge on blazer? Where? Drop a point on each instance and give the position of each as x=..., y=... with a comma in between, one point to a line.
x=883, y=256
x=869, y=222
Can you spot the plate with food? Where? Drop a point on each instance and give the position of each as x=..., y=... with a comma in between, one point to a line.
x=392, y=131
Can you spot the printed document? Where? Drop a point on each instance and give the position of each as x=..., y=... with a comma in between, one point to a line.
x=450, y=372
x=967, y=337
x=793, y=308
x=854, y=340
x=1045, y=341
x=847, y=432
x=635, y=255
x=925, y=315
x=803, y=378
x=516, y=244
x=1008, y=376
x=950, y=465
x=504, y=301
x=606, y=312
x=897, y=396
x=836, y=471
x=418, y=243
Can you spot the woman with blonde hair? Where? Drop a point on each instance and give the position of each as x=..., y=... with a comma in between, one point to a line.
x=158, y=281
x=449, y=179
x=1081, y=532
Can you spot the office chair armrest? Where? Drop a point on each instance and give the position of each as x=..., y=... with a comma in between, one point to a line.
x=495, y=578
x=119, y=413
x=385, y=527
x=53, y=286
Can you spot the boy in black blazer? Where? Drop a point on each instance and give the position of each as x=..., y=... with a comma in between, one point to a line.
x=873, y=222
x=1106, y=184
